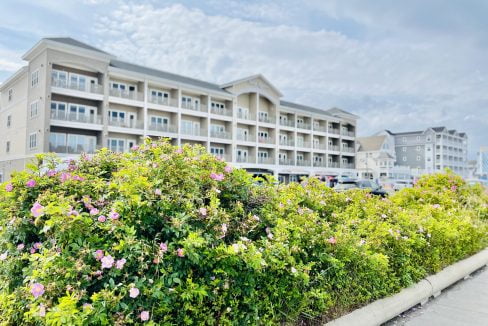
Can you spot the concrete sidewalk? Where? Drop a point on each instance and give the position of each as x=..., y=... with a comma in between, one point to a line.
x=463, y=304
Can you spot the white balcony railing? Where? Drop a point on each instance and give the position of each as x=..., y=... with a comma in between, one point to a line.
x=245, y=116
x=333, y=131
x=242, y=159
x=82, y=87
x=319, y=146
x=305, y=144
x=303, y=162
x=333, y=164
x=194, y=132
x=347, y=165
x=347, y=133
x=287, y=142
x=286, y=162
x=194, y=107
x=73, y=117
x=126, y=124
x=163, y=101
x=320, y=128
x=303, y=125
x=77, y=149
x=319, y=164
x=226, y=112
x=267, y=119
x=266, y=140
x=334, y=148
x=348, y=149
x=245, y=138
x=287, y=123
x=162, y=128
x=265, y=160
x=130, y=95
x=221, y=134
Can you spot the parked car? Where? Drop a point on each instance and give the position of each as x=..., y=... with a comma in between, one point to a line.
x=400, y=184
x=372, y=186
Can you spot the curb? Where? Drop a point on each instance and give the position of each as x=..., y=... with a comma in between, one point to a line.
x=383, y=310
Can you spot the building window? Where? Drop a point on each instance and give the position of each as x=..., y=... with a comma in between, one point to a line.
x=418, y=158
x=404, y=159
x=9, y=120
x=35, y=78
x=404, y=139
x=34, y=109
x=32, y=141
x=7, y=147
x=116, y=145
x=418, y=138
x=428, y=138
x=404, y=149
x=10, y=94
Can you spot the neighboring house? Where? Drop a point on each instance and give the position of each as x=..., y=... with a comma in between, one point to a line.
x=431, y=150
x=376, y=159
x=73, y=98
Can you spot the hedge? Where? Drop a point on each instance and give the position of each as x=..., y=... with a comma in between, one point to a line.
x=165, y=235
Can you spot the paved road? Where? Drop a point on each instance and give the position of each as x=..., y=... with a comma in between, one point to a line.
x=463, y=304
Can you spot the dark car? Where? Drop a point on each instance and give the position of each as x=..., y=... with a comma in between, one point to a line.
x=373, y=187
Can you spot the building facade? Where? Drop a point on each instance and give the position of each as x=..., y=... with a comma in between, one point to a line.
x=73, y=98
x=482, y=163
x=431, y=150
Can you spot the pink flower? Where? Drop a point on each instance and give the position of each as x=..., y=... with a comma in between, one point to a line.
x=134, y=292
x=119, y=264
x=78, y=178
x=31, y=183
x=145, y=315
x=94, y=211
x=436, y=206
x=32, y=250
x=51, y=173
x=453, y=188
x=37, y=289
x=332, y=240
x=101, y=218
x=9, y=187
x=73, y=212
x=179, y=151
x=3, y=256
x=37, y=245
x=107, y=262
x=114, y=215
x=37, y=209
x=135, y=148
x=163, y=247
x=217, y=177
x=42, y=310
x=203, y=211
x=20, y=247
x=157, y=192
x=65, y=176
x=228, y=169
x=180, y=252
x=99, y=254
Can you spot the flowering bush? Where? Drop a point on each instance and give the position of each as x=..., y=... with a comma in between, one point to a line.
x=166, y=235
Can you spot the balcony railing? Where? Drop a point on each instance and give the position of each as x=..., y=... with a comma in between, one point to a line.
x=348, y=149
x=267, y=119
x=334, y=131
x=82, y=87
x=163, y=101
x=286, y=162
x=348, y=133
x=126, y=124
x=320, y=128
x=221, y=134
x=333, y=164
x=130, y=95
x=80, y=148
x=220, y=111
x=287, y=142
x=319, y=164
x=241, y=159
x=287, y=123
x=303, y=125
x=305, y=144
x=347, y=165
x=303, y=162
x=162, y=128
x=334, y=148
x=265, y=140
x=194, y=132
x=265, y=160
x=73, y=117
x=224, y=157
x=194, y=107
x=245, y=137
x=319, y=146
x=245, y=116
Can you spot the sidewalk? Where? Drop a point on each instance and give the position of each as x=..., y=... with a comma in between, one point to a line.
x=463, y=304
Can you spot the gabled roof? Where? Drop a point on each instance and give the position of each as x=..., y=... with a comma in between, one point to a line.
x=370, y=144
x=165, y=75
x=340, y=113
x=384, y=155
x=438, y=129
x=303, y=107
x=73, y=42
x=258, y=76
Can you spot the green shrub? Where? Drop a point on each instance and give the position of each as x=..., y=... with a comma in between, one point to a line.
x=163, y=235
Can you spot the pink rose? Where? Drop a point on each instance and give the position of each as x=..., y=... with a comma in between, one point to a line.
x=94, y=211
x=37, y=209
x=99, y=254
x=114, y=215
x=119, y=264
x=101, y=218
x=9, y=187
x=134, y=292
x=163, y=247
x=180, y=252
x=107, y=262
x=31, y=183
x=145, y=315
x=228, y=169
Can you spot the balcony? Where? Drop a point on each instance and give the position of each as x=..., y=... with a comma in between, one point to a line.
x=319, y=164
x=242, y=159
x=224, y=157
x=287, y=142
x=333, y=164
x=221, y=134
x=163, y=101
x=221, y=111
x=245, y=116
x=334, y=131
x=303, y=125
x=126, y=124
x=194, y=107
x=334, y=148
x=73, y=117
x=194, y=132
x=320, y=128
x=245, y=138
x=265, y=160
x=303, y=162
x=286, y=162
x=77, y=149
x=162, y=128
x=305, y=144
x=129, y=95
x=348, y=133
x=265, y=140
x=76, y=86
x=320, y=146
x=347, y=165
x=267, y=119
x=287, y=123
x=348, y=149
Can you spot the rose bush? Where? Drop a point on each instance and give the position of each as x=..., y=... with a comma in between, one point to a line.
x=165, y=235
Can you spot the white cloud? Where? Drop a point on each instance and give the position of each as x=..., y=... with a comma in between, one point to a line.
x=9, y=60
x=391, y=83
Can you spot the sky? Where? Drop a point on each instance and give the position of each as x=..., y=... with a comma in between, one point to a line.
x=399, y=65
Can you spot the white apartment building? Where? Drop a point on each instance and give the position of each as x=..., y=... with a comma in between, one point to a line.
x=73, y=98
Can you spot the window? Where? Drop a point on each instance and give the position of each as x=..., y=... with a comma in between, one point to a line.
x=404, y=159
x=299, y=157
x=116, y=145
x=242, y=113
x=418, y=158
x=159, y=97
x=59, y=78
x=218, y=106
x=404, y=139
x=217, y=151
x=58, y=110
x=263, y=134
x=418, y=138
x=262, y=155
x=10, y=94
x=404, y=149
x=35, y=78
x=159, y=121
x=217, y=129
x=428, y=138
x=7, y=147
x=34, y=109
x=32, y=141
x=263, y=116
x=9, y=120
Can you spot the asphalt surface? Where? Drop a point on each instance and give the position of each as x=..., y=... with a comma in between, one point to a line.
x=465, y=303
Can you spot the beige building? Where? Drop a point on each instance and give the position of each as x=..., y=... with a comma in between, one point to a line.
x=73, y=98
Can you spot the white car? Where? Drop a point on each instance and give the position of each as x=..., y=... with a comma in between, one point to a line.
x=400, y=184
